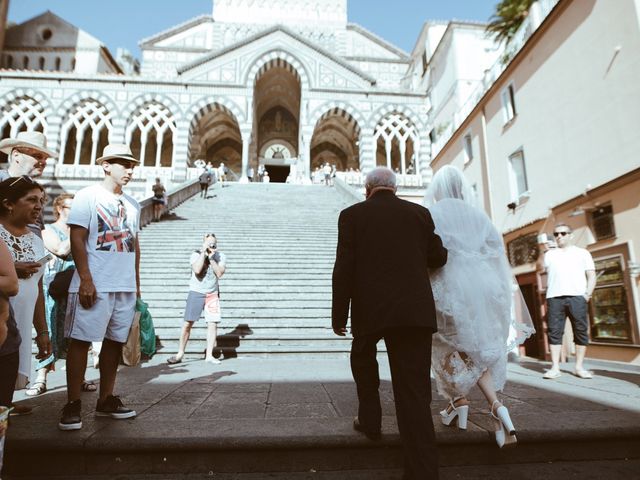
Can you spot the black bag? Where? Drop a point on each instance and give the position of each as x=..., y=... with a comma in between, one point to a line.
x=59, y=286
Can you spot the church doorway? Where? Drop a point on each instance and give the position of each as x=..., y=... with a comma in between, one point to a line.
x=276, y=103
x=215, y=137
x=278, y=173
x=336, y=140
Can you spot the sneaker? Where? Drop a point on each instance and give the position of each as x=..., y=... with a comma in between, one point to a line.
x=112, y=407
x=71, y=418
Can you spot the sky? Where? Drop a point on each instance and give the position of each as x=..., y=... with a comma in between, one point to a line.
x=123, y=23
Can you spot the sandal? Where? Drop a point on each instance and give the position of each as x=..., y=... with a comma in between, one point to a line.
x=38, y=388
x=173, y=360
x=88, y=386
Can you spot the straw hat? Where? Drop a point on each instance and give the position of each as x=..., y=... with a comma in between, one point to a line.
x=115, y=151
x=35, y=140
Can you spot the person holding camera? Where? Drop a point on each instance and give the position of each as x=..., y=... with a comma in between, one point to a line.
x=207, y=267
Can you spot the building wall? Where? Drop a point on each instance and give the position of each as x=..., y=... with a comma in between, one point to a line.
x=576, y=104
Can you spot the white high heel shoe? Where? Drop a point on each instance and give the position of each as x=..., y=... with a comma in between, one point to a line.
x=461, y=413
x=505, y=431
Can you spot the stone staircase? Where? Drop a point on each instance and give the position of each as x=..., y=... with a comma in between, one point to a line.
x=280, y=244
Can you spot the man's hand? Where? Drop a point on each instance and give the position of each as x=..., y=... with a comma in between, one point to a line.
x=44, y=346
x=586, y=297
x=341, y=332
x=26, y=269
x=87, y=293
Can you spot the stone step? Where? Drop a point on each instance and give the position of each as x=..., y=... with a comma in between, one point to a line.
x=161, y=294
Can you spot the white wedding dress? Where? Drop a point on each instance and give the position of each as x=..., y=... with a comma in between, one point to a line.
x=480, y=310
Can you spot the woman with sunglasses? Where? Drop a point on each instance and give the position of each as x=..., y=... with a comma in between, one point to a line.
x=480, y=311
x=21, y=203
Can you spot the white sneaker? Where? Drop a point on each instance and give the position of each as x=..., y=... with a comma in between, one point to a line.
x=212, y=360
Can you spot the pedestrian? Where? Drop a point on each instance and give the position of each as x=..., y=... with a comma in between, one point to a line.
x=477, y=303
x=208, y=265
x=250, y=174
x=265, y=177
x=205, y=180
x=326, y=171
x=27, y=155
x=260, y=172
x=21, y=203
x=158, y=200
x=385, y=246
x=9, y=333
x=104, y=226
x=571, y=278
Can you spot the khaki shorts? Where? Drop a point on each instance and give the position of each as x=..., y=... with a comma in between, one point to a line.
x=110, y=317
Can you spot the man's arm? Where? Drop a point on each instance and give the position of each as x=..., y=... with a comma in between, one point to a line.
x=218, y=268
x=591, y=284
x=343, y=273
x=8, y=275
x=436, y=253
x=87, y=290
x=137, y=267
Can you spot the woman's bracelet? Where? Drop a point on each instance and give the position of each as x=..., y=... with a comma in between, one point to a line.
x=44, y=332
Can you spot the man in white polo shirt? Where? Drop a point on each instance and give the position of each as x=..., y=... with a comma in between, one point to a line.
x=571, y=279
x=105, y=223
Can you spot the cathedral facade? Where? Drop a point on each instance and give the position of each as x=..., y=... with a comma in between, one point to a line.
x=283, y=83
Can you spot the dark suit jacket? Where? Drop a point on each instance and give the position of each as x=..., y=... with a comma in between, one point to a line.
x=385, y=247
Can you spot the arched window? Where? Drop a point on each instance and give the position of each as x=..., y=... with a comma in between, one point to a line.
x=85, y=134
x=20, y=115
x=9, y=61
x=25, y=62
x=73, y=64
x=150, y=135
x=58, y=62
x=41, y=63
x=396, y=143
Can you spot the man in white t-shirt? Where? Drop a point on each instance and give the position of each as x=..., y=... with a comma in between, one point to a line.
x=105, y=223
x=571, y=279
x=207, y=266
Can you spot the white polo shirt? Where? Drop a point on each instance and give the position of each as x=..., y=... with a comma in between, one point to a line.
x=566, y=271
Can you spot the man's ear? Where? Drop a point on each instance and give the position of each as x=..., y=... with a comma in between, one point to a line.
x=106, y=166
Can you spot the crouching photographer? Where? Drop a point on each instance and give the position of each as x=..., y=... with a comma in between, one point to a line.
x=207, y=267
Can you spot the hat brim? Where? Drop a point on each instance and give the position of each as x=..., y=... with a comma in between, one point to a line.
x=9, y=144
x=107, y=158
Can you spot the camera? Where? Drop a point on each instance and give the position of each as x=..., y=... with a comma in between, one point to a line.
x=212, y=245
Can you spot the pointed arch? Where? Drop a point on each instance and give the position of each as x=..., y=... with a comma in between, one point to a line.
x=147, y=98
x=277, y=58
x=150, y=133
x=86, y=132
x=22, y=113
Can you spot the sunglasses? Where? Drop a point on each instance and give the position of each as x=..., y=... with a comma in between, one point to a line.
x=23, y=178
x=557, y=234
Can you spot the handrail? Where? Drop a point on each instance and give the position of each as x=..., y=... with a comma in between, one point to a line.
x=349, y=193
x=174, y=198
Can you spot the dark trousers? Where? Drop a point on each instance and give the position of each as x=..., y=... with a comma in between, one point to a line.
x=204, y=188
x=409, y=352
x=574, y=307
x=8, y=375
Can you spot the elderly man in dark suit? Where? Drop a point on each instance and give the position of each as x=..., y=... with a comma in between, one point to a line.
x=385, y=247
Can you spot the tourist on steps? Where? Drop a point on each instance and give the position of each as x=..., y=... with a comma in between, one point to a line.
x=207, y=267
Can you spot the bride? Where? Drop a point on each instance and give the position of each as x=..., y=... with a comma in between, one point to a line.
x=480, y=311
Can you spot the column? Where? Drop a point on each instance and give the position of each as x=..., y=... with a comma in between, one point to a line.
x=54, y=123
x=179, y=162
x=403, y=156
x=246, y=142
x=387, y=147
x=304, y=152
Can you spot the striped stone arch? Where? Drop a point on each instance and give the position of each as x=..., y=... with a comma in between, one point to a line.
x=276, y=58
x=23, y=109
x=79, y=97
x=211, y=104
x=135, y=104
x=385, y=110
x=338, y=108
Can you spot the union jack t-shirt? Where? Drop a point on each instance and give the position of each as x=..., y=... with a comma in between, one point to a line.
x=113, y=224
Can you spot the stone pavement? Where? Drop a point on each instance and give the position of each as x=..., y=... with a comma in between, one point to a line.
x=195, y=418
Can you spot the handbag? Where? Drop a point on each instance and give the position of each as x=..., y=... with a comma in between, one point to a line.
x=131, y=349
x=59, y=286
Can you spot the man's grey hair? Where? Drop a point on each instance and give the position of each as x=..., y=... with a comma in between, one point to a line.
x=380, y=177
